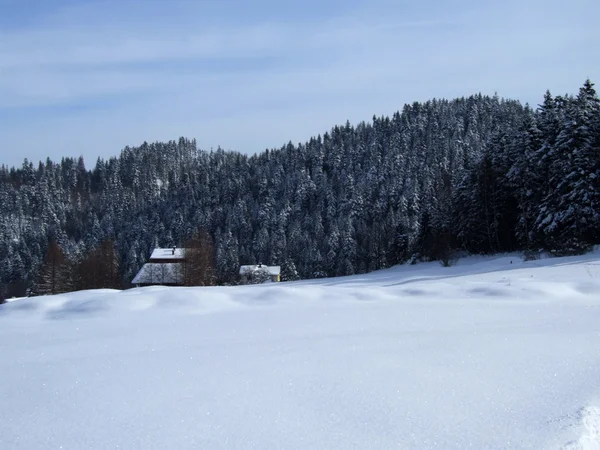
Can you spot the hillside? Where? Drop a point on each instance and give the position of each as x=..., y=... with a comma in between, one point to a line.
x=493, y=352
x=480, y=174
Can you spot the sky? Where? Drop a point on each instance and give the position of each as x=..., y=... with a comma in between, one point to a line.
x=88, y=77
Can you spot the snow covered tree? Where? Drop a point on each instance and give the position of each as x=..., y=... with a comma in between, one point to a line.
x=289, y=271
x=228, y=262
x=570, y=214
x=527, y=179
x=354, y=199
x=258, y=275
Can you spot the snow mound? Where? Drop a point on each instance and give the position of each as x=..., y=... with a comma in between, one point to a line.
x=590, y=430
x=491, y=353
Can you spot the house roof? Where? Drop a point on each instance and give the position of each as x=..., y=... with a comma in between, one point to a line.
x=159, y=273
x=273, y=270
x=167, y=253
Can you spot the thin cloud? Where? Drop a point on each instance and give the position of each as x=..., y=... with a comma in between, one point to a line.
x=83, y=83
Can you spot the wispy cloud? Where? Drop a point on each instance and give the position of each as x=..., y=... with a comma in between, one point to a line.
x=90, y=78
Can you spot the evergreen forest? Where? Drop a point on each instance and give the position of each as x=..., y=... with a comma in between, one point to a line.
x=475, y=175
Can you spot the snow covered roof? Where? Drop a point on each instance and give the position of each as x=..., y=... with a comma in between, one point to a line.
x=167, y=253
x=159, y=273
x=273, y=270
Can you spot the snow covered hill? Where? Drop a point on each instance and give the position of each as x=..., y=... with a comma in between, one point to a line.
x=494, y=353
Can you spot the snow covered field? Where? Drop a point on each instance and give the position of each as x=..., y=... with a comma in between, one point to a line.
x=488, y=354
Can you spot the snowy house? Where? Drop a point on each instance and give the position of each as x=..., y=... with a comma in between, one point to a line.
x=165, y=268
x=249, y=273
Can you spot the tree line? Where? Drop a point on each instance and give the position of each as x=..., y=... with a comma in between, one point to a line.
x=99, y=268
x=477, y=174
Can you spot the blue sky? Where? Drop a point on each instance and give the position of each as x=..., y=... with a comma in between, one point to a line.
x=87, y=77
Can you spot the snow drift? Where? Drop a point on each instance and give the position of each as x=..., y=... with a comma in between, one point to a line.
x=491, y=353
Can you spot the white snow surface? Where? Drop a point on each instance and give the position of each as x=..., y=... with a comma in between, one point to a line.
x=167, y=253
x=488, y=354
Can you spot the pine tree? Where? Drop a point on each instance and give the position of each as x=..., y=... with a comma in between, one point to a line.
x=288, y=271
x=228, y=261
x=571, y=213
x=527, y=180
x=354, y=199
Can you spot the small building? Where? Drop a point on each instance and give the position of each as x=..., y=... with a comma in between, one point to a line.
x=165, y=268
x=251, y=273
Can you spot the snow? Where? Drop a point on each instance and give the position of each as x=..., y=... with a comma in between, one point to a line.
x=491, y=353
x=590, y=431
x=167, y=253
x=159, y=273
